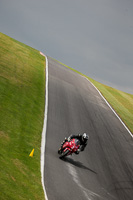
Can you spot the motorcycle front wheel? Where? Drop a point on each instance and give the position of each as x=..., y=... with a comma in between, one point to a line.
x=64, y=154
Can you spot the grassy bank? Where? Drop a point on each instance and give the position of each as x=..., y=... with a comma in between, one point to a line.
x=22, y=88
x=121, y=102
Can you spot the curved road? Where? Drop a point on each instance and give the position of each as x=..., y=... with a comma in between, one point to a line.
x=105, y=169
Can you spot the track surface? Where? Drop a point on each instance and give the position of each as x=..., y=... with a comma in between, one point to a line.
x=105, y=169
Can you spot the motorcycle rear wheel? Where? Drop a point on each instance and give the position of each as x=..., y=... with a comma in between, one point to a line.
x=64, y=154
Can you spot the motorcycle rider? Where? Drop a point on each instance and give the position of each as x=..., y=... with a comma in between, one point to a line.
x=82, y=138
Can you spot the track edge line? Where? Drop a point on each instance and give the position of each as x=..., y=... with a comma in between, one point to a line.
x=43, y=141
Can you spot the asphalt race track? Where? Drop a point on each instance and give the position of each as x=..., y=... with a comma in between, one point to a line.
x=105, y=169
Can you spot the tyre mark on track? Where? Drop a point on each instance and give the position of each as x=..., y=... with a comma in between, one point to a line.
x=87, y=193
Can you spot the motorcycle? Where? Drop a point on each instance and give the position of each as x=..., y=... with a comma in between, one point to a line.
x=69, y=148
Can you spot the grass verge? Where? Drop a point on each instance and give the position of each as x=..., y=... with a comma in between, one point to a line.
x=120, y=101
x=22, y=88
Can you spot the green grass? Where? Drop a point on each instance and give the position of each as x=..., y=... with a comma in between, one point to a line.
x=22, y=90
x=120, y=101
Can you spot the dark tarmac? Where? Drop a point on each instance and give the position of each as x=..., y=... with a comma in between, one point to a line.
x=105, y=169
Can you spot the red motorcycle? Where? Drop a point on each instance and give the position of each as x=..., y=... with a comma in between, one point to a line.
x=69, y=148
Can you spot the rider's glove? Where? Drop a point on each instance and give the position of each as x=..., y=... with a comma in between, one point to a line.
x=69, y=139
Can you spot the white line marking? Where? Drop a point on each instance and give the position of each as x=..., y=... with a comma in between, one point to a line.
x=110, y=107
x=43, y=142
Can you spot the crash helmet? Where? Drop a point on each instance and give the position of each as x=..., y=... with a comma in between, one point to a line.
x=85, y=137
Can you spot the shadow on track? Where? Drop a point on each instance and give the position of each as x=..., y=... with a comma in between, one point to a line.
x=77, y=164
